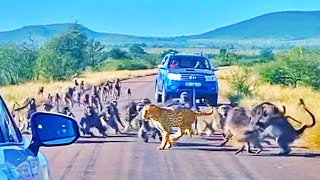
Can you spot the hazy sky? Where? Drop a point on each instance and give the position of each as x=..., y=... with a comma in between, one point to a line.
x=143, y=17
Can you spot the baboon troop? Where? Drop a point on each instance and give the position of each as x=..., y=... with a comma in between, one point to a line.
x=247, y=126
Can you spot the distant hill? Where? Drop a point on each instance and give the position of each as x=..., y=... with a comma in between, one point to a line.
x=41, y=33
x=287, y=25
x=279, y=26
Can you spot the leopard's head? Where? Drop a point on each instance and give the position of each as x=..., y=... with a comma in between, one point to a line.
x=150, y=111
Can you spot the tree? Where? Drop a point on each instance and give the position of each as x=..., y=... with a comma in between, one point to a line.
x=94, y=51
x=164, y=53
x=64, y=56
x=117, y=53
x=136, y=49
x=266, y=55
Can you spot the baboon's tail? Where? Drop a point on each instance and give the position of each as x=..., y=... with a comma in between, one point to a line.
x=304, y=127
x=284, y=109
x=206, y=113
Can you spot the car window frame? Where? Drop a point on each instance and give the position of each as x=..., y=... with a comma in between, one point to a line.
x=17, y=131
x=204, y=58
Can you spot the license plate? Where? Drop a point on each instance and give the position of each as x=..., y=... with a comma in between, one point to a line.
x=191, y=84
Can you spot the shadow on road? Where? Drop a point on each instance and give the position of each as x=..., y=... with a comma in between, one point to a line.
x=302, y=154
x=191, y=144
x=99, y=141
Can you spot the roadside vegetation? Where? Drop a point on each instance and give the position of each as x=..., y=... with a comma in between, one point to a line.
x=283, y=79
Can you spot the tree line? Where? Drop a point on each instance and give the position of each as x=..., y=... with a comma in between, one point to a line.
x=65, y=57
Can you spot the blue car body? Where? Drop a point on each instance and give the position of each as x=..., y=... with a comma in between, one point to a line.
x=19, y=158
x=171, y=82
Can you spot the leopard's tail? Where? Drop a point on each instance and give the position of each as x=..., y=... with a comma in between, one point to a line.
x=206, y=113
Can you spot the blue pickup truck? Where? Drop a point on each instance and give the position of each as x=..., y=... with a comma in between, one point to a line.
x=192, y=73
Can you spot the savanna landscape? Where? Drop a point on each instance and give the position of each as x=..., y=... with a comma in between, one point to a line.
x=274, y=57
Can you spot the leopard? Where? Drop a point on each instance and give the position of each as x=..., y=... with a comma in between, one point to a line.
x=164, y=119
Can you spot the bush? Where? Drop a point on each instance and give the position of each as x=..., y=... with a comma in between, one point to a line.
x=243, y=84
x=292, y=68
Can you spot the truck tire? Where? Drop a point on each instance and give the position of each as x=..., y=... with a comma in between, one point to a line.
x=164, y=96
x=157, y=95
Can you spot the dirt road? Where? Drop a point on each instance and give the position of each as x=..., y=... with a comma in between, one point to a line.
x=125, y=157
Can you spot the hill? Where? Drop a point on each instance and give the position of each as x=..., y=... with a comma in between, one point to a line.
x=281, y=28
x=286, y=25
x=41, y=33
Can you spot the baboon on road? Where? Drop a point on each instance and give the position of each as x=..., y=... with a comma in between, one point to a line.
x=128, y=93
x=237, y=126
x=117, y=89
x=23, y=113
x=90, y=120
x=112, y=117
x=218, y=120
x=279, y=128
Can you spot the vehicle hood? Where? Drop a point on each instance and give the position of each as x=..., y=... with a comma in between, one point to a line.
x=192, y=71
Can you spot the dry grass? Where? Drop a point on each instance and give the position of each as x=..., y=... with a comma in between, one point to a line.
x=284, y=96
x=19, y=93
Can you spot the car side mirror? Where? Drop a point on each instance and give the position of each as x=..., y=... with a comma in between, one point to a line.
x=52, y=129
x=160, y=66
x=215, y=68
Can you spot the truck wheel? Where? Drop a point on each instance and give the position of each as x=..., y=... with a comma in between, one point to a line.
x=164, y=96
x=157, y=95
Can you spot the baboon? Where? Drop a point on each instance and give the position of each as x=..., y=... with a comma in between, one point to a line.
x=266, y=109
x=66, y=110
x=278, y=127
x=128, y=93
x=89, y=120
x=82, y=85
x=48, y=106
x=84, y=100
x=76, y=83
x=94, y=100
x=131, y=112
x=68, y=97
x=50, y=98
x=24, y=113
x=40, y=91
x=144, y=125
x=112, y=117
x=218, y=121
x=116, y=110
x=237, y=125
x=117, y=89
x=57, y=99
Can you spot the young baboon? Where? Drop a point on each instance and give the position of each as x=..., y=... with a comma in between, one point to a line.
x=50, y=98
x=82, y=85
x=40, y=91
x=116, y=110
x=57, y=99
x=237, y=126
x=282, y=131
x=131, y=112
x=76, y=83
x=128, y=93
